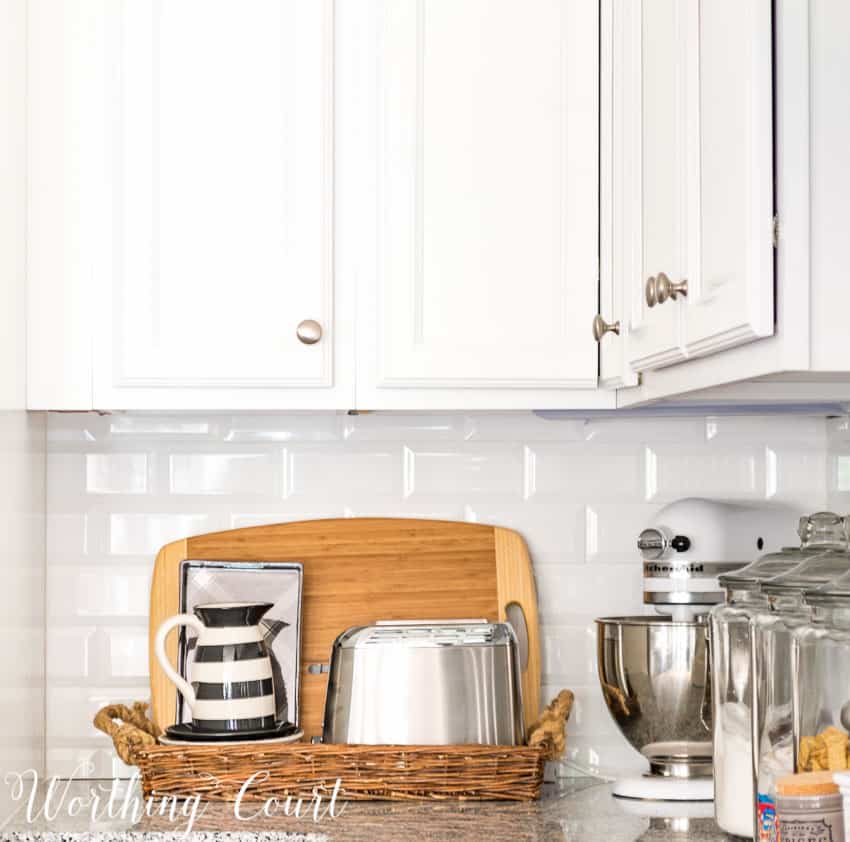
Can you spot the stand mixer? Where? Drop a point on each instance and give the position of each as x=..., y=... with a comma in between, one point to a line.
x=654, y=669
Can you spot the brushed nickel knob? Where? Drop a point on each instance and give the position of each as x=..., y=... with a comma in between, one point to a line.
x=650, y=292
x=309, y=331
x=601, y=327
x=665, y=288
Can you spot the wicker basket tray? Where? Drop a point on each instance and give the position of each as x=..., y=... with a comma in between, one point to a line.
x=366, y=773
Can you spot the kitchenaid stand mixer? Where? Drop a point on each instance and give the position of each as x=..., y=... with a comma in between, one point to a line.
x=654, y=669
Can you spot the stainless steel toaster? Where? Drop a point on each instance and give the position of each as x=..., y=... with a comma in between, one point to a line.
x=425, y=683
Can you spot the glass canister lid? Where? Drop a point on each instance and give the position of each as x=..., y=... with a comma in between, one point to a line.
x=834, y=592
x=765, y=567
x=825, y=553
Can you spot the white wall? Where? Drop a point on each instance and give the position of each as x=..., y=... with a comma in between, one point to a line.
x=120, y=486
x=22, y=437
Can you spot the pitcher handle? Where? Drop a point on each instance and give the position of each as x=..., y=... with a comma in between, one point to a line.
x=159, y=650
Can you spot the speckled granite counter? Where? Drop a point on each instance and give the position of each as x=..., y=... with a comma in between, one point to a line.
x=574, y=810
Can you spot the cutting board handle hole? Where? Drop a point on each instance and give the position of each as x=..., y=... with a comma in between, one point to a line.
x=516, y=617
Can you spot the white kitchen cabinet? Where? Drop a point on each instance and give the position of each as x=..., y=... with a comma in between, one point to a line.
x=182, y=206
x=805, y=360
x=693, y=103
x=484, y=141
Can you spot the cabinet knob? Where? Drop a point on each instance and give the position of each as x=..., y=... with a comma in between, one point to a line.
x=309, y=331
x=650, y=292
x=601, y=327
x=665, y=288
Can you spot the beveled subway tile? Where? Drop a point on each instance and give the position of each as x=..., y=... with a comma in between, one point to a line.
x=238, y=474
x=798, y=431
x=343, y=472
x=282, y=428
x=688, y=430
x=71, y=710
x=554, y=532
x=567, y=593
x=796, y=477
x=74, y=428
x=584, y=471
x=128, y=652
x=523, y=427
x=137, y=533
x=404, y=427
x=612, y=529
x=734, y=472
x=240, y=520
x=116, y=473
x=123, y=427
x=569, y=654
x=463, y=470
x=98, y=590
x=407, y=509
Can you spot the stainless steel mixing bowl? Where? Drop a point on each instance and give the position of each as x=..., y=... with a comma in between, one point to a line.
x=655, y=679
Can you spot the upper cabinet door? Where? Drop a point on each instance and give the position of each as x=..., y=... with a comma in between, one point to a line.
x=730, y=265
x=210, y=186
x=487, y=196
x=654, y=68
x=703, y=202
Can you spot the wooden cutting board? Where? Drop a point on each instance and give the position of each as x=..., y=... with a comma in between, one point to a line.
x=356, y=571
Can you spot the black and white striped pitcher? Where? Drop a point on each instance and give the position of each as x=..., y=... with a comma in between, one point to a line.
x=232, y=687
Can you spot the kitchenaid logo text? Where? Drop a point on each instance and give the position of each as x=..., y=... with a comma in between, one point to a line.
x=653, y=568
x=121, y=800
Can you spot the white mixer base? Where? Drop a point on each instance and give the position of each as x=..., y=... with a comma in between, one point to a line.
x=658, y=788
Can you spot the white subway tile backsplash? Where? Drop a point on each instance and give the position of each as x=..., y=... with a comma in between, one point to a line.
x=248, y=474
x=404, y=428
x=144, y=534
x=646, y=430
x=611, y=530
x=128, y=652
x=239, y=520
x=120, y=487
x=116, y=473
x=145, y=425
x=470, y=469
x=337, y=472
x=735, y=472
x=522, y=427
x=99, y=590
x=794, y=476
x=264, y=428
x=573, y=593
x=568, y=651
x=554, y=532
x=584, y=471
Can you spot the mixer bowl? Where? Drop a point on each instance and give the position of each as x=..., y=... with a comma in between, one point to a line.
x=654, y=674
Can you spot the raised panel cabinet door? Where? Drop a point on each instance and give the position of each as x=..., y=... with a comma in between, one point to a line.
x=654, y=75
x=487, y=256
x=730, y=267
x=217, y=205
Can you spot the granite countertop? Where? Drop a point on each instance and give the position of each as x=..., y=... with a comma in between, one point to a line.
x=572, y=810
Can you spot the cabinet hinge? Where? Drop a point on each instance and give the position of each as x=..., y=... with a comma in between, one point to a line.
x=775, y=231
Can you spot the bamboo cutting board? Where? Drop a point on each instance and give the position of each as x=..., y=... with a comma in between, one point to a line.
x=356, y=571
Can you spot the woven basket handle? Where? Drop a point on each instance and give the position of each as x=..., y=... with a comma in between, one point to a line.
x=134, y=732
x=549, y=732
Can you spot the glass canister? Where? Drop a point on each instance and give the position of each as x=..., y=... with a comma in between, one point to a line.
x=826, y=557
x=731, y=685
x=821, y=668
